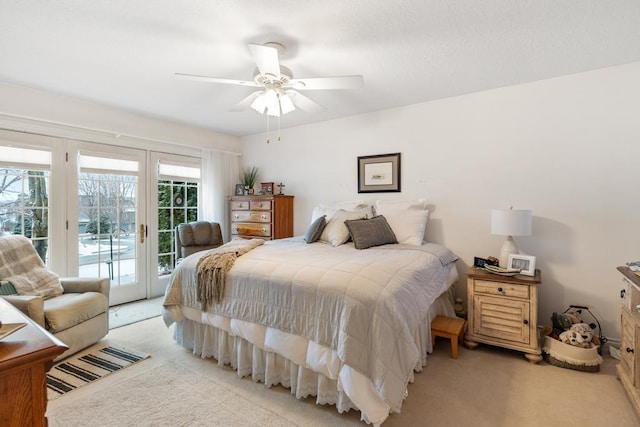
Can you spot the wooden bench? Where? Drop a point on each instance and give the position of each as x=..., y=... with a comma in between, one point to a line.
x=450, y=328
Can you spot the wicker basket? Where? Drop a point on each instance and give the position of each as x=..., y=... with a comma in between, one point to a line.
x=568, y=356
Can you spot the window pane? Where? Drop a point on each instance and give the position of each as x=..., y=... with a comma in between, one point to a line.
x=24, y=206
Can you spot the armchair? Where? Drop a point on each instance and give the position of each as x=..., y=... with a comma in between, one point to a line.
x=76, y=312
x=197, y=236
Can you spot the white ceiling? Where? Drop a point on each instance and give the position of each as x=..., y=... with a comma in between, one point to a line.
x=123, y=53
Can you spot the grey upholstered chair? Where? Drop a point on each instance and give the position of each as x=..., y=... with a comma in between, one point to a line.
x=197, y=236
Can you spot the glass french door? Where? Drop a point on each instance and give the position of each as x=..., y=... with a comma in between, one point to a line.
x=111, y=229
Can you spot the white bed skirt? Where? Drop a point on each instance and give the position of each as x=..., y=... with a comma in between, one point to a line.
x=196, y=332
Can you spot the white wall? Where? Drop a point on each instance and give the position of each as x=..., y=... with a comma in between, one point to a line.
x=43, y=111
x=568, y=148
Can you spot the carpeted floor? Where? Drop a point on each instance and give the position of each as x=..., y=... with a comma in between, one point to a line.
x=484, y=387
x=126, y=314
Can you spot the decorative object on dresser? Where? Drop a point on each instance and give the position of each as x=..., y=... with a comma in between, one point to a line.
x=267, y=188
x=629, y=366
x=379, y=173
x=510, y=222
x=264, y=216
x=25, y=357
x=503, y=311
x=248, y=178
x=239, y=191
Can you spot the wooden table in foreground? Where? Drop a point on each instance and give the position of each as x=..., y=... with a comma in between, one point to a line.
x=25, y=357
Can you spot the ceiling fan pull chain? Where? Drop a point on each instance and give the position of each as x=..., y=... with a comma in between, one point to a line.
x=278, y=128
x=267, y=128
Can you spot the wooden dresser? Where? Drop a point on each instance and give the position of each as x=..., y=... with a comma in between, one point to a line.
x=25, y=357
x=629, y=367
x=266, y=217
x=503, y=311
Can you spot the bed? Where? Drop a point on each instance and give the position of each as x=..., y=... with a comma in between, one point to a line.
x=346, y=325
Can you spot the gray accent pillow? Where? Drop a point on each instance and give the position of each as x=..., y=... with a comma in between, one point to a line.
x=315, y=229
x=366, y=233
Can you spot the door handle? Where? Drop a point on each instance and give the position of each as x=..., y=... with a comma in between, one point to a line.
x=142, y=233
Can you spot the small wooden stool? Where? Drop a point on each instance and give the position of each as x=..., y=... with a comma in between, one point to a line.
x=447, y=327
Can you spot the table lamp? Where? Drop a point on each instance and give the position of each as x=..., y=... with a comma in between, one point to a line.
x=510, y=222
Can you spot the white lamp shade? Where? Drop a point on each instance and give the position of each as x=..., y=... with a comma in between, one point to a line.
x=511, y=222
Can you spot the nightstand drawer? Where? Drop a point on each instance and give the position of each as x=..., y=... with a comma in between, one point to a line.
x=260, y=205
x=503, y=289
x=251, y=229
x=240, y=205
x=251, y=216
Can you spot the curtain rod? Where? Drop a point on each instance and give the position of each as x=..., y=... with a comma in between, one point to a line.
x=47, y=124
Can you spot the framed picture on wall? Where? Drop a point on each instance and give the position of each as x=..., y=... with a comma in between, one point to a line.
x=379, y=173
x=239, y=190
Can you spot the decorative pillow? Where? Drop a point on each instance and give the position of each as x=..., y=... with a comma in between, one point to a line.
x=336, y=233
x=315, y=229
x=366, y=233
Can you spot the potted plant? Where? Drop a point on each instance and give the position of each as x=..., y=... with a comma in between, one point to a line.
x=248, y=178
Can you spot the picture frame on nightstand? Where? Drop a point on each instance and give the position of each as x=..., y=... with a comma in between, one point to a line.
x=525, y=263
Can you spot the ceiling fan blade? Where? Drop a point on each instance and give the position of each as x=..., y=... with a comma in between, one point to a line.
x=304, y=103
x=266, y=59
x=245, y=104
x=321, y=83
x=216, y=80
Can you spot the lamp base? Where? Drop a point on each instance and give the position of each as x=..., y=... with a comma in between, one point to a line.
x=508, y=247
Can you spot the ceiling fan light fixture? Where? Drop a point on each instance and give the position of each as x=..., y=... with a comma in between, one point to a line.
x=260, y=103
x=286, y=104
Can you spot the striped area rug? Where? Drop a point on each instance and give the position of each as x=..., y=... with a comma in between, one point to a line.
x=74, y=372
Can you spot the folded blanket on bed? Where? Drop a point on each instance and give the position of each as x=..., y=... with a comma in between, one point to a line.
x=213, y=267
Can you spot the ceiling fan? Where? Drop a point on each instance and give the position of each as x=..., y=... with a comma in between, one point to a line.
x=278, y=91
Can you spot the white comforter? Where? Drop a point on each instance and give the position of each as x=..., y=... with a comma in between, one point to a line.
x=364, y=305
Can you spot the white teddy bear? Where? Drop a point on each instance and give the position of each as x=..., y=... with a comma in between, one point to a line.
x=580, y=335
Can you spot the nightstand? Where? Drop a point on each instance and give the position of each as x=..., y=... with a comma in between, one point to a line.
x=503, y=311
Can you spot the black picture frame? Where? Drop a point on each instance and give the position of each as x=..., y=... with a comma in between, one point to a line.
x=379, y=173
x=239, y=190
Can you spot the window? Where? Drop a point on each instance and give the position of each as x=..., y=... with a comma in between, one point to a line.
x=24, y=195
x=177, y=203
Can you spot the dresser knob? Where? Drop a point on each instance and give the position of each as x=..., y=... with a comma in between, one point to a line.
x=525, y=321
x=264, y=217
x=264, y=230
x=499, y=289
x=622, y=293
x=236, y=215
x=629, y=350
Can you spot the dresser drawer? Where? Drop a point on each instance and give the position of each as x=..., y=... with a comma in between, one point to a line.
x=251, y=229
x=251, y=216
x=260, y=205
x=240, y=205
x=504, y=289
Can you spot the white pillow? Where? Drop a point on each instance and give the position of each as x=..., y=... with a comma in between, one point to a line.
x=408, y=219
x=319, y=211
x=330, y=210
x=387, y=205
x=336, y=232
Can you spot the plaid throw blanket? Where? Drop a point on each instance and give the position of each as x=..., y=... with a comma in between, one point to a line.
x=21, y=266
x=213, y=266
